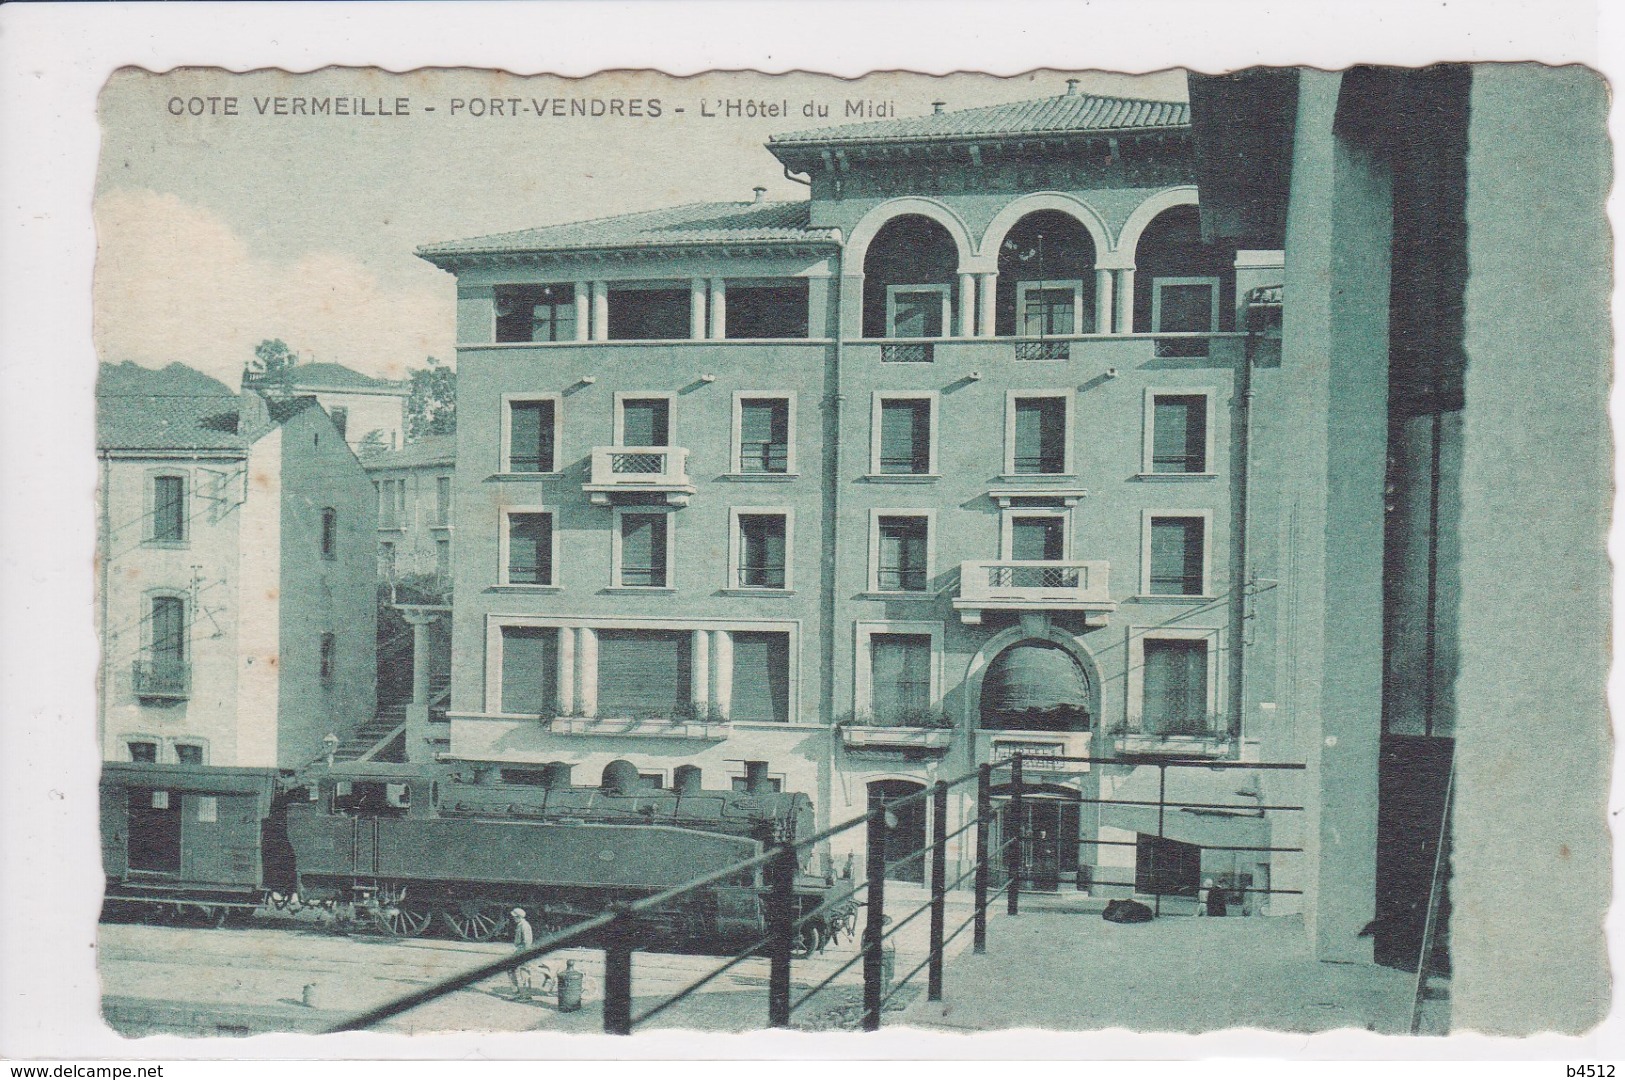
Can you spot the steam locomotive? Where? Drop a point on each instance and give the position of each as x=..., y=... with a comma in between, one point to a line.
x=423, y=849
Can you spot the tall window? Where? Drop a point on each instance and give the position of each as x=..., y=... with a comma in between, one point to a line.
x=442, y=500
x=764, y=435
x=761, y=677
x=917, y=311
x=530, y=670
x=1179, y=433
x=391, y=504
x=905, y=437
x=330, y=533
x=531, y=426
x=643, y=550
x=1174, y=699
x=530, y=549
x=1039, y=440
x=169, y=509
x=536, y=313
x=762, y=551
x=902, y=554
x=1182, y=305
x=644, y=674
x=168, y=633
x=327, y=663
x=1038, y=539
x=1048, y=308
x=645, y=422
x=386, y=560
x=1176, y=556
x=900, y=675
x=442, y=558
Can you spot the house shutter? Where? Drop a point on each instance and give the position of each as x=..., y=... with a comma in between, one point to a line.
x=169, y=508
x=643, y=549
x=1037, y=539
x=643, y=673
x=901, y=674
x=764, y=434
x=530, y=549
x=905, y=436
x=530, y=670
x=1176, y=556
x=1040, y=435
x=168, y=629
x=646, y=422
x=1179, y=435
x=761, y=681
x=902, y=554
x=1175, y=693
x=530, y=437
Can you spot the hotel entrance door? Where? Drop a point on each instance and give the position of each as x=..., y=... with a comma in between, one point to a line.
x=1049, y=845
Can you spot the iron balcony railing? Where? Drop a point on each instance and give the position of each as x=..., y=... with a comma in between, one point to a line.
x=912, y=352
x=764, y=457
x=1037, y=580
x=171, y=679
x=1043, y=350
x=761, y=577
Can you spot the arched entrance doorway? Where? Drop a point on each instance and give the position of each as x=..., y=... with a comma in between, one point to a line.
x=1035, y=685
x=905, y=842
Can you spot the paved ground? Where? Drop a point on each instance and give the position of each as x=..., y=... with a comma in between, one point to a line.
x=1177, y=974
x=239, y=982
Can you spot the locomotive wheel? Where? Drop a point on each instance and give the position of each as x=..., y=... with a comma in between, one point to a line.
x=476, y=920
x=406, y=919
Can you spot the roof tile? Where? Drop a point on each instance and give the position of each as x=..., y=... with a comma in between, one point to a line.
x=1065, y=114
x=695, y=223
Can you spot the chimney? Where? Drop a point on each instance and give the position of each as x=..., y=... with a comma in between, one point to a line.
x=756, y=778
x=761, y=193
x=1072, y=88
x=556, y=774
x=685, y=780
x=937, y=106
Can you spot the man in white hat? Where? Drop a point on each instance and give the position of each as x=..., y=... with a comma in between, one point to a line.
x=523, y=939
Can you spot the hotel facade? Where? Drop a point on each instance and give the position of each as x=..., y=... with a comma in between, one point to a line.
x=945, y=462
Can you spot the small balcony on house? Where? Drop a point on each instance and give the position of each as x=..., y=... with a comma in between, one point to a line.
x=1184, y=735
x=660, y=471
x=162, y=680
x=1034, y=585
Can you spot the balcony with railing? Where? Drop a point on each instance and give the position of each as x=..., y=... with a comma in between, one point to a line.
x=1121, y=351
x=162, y=680
x=1034, y=585
x=639, y=470
x=1183, y=732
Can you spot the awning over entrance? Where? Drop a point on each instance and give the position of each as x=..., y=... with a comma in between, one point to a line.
x=1035, y=686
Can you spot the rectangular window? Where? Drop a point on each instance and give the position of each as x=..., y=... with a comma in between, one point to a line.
x=917, y=311
x=643, y=550
x=1176, y=556
x=905, y=437
x=530, y=549
x=341, y=419
x=1174, y=699
x=1038, y=539
x=330, y=533
x=442, y=559
x=1179, y=433
x=536, y=312
x=644, y=674
x=143, y=752
x=900, y=675
x=1039, y=440
x=189, y=754
x=391, y=504
x=531, y=429
x=169, y=509
x=648, y=315
x=762, y=562
x=1048, y=308
x=168, y=631
x=386, y=561
x=1184, y=306
x=902, y=554
x=530, y=670
x=764, y=435
x=327, y=659
x=442, y=500
x=761, y=677
x=767, y=311
x=645, y=422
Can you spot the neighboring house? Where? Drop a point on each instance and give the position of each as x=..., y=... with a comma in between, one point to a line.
x=414, y=492
x=941, y=464
x=237, y=598
x=358, y=404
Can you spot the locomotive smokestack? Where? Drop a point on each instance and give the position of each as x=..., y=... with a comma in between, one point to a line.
x=756, y=778
x=685, y=780
x=556, y=774
x=620, y=778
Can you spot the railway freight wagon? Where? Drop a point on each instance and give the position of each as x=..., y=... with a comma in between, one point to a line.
x=189, y=842
x=426, y=849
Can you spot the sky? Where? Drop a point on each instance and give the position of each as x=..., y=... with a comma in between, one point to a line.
x=218, y=231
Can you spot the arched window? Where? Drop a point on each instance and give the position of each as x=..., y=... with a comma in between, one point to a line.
x=1046, y=277
x=910, y=272
x=1182, y=285
x=1035, y=686
x=330, y=533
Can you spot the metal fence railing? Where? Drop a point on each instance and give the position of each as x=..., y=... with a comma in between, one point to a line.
x=619, y=933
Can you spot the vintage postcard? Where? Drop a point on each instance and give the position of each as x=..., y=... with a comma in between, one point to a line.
x=742, y=551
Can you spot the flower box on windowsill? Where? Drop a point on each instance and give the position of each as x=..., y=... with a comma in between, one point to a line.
x=872, y=736
x=1138, y=744
x=714, y=730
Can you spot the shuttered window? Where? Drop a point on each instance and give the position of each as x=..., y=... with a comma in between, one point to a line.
x=643, y=550
x=645, y=422
x=530, y=670
x=643, y=674
x=1040, y=436
x=905, y=437
x=1179, y=434
x=900, y=675
x=168, y=629
x=761, y=551
x=169, y=509
x=1176, y=556
x=530, y=549
x=764, y=435
x=761, y=680
x=530, y=437
x=1038, y=539
x=902, y=554
x=1175, y=695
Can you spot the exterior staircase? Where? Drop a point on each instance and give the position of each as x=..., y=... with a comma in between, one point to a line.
x=380, y=739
